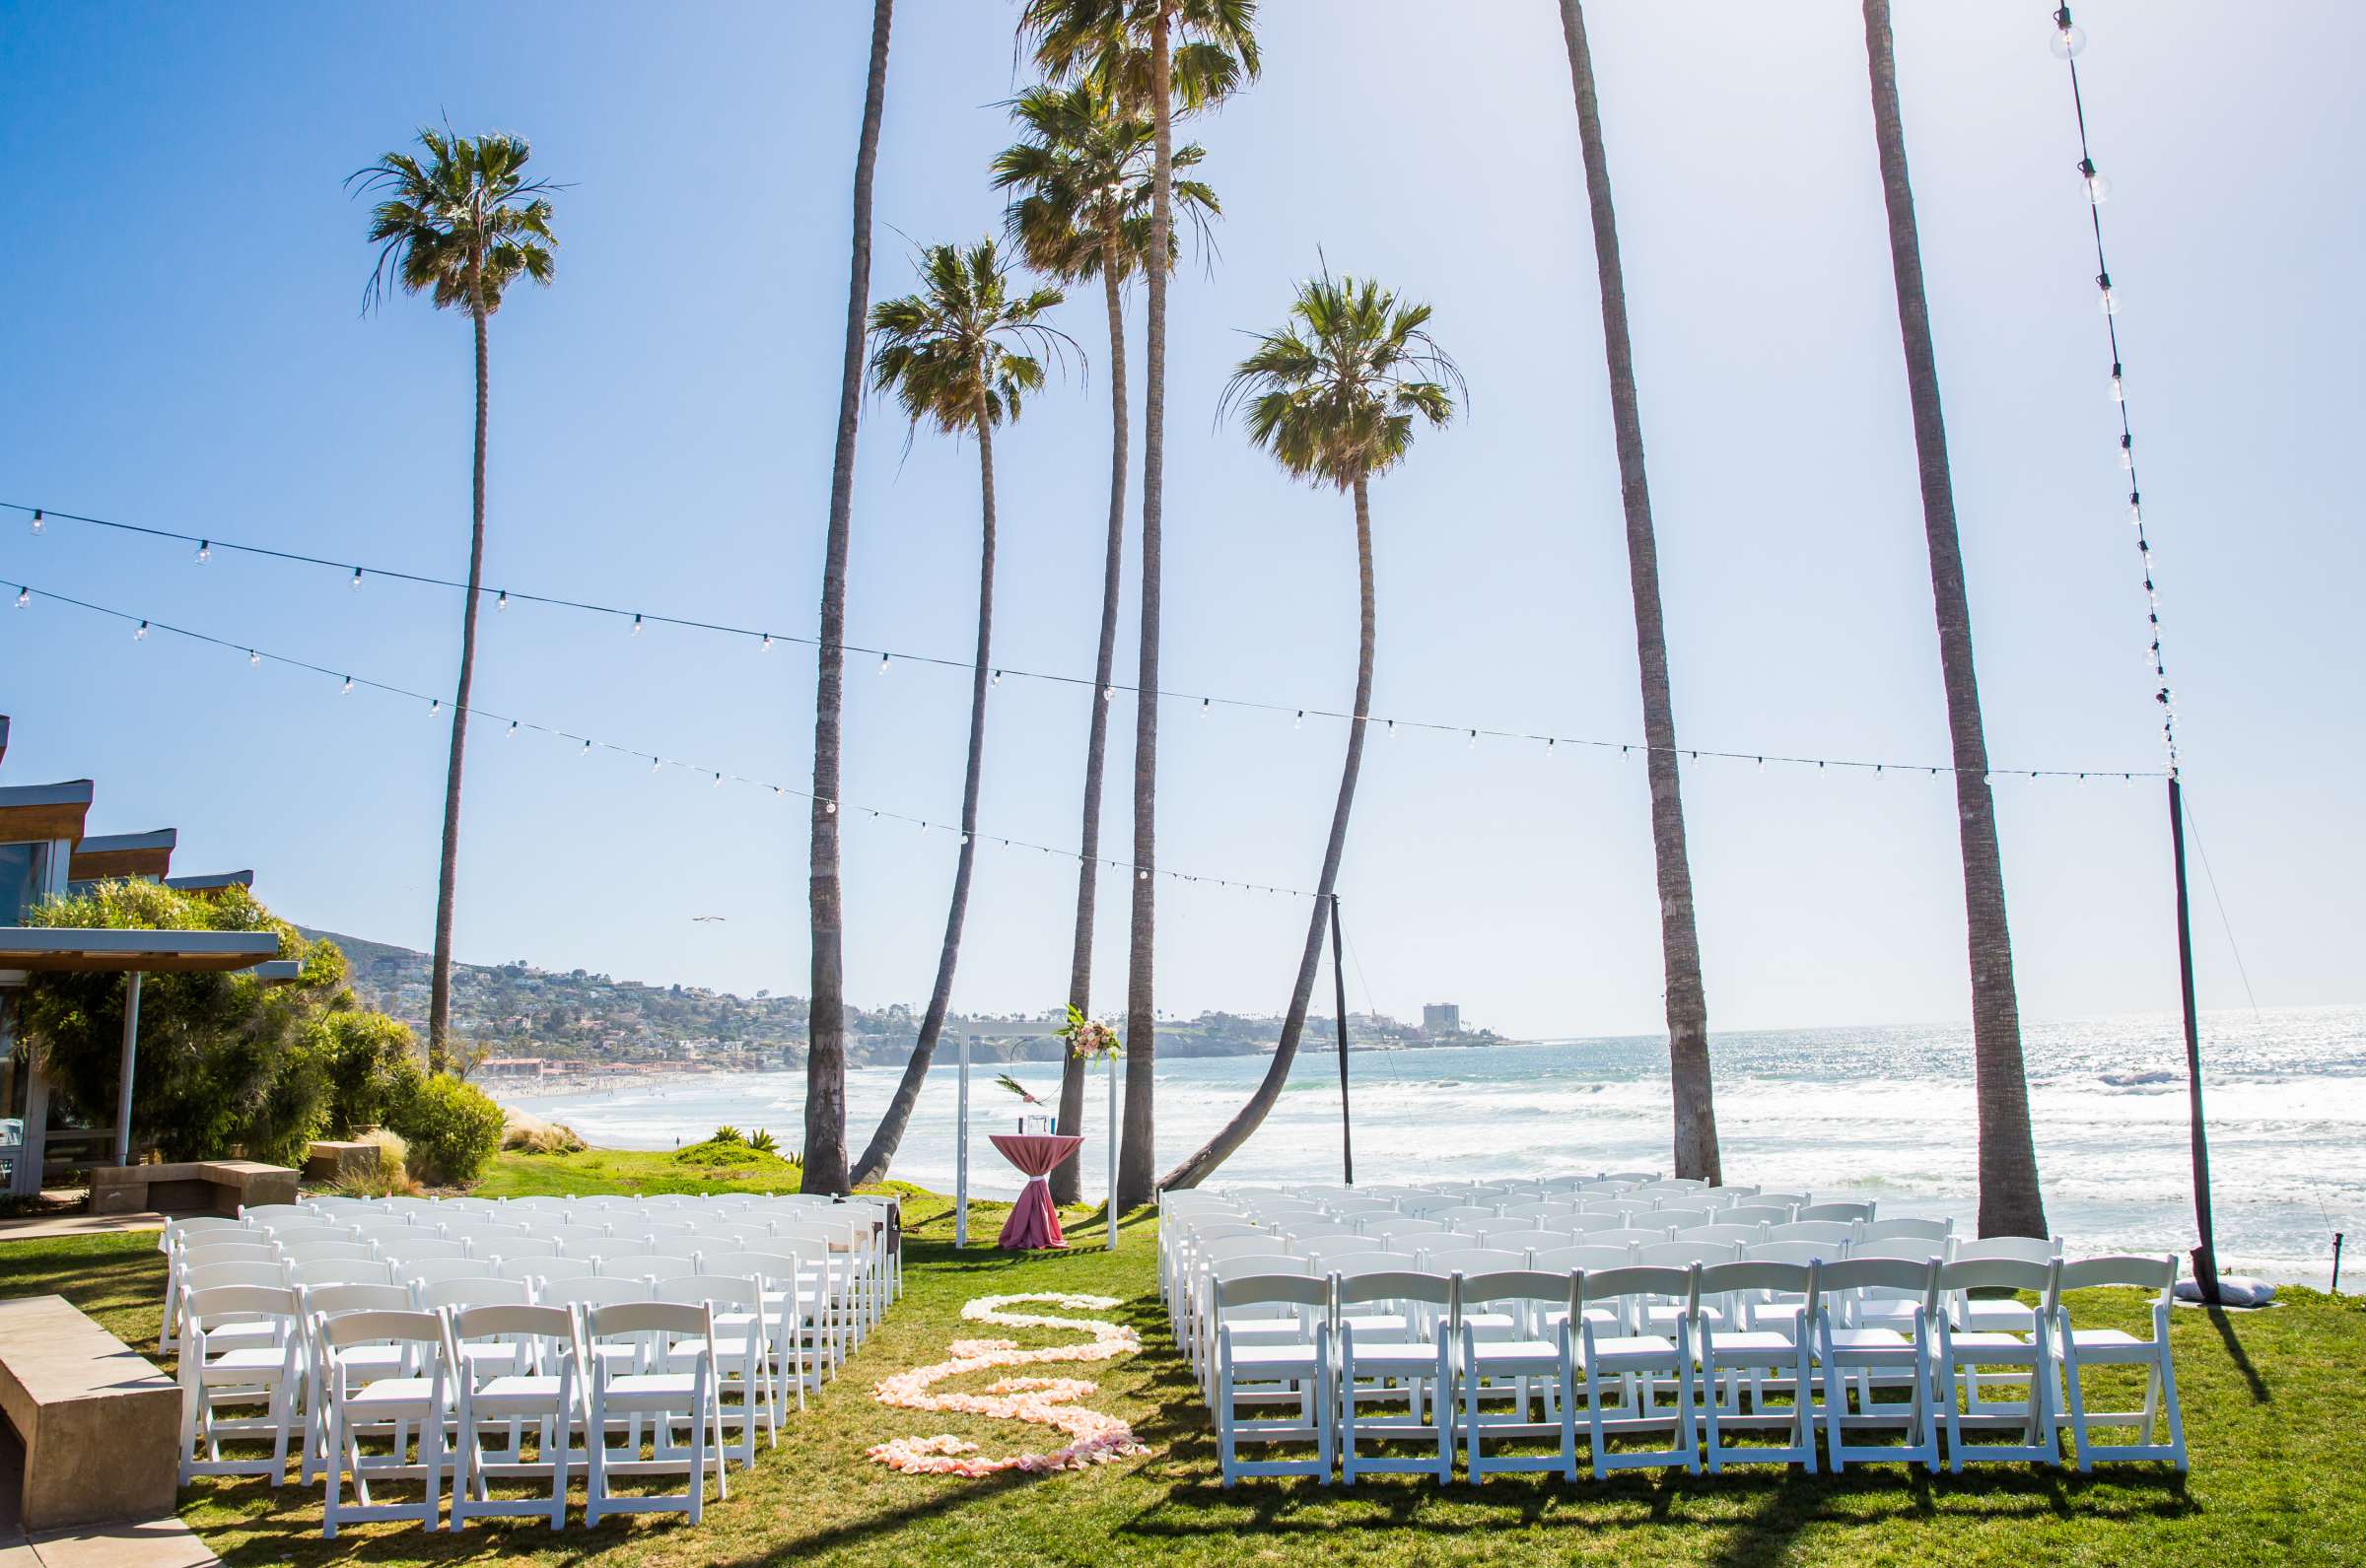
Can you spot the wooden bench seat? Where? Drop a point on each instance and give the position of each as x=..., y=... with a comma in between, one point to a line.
x=99, y=1425
x=207, y=1187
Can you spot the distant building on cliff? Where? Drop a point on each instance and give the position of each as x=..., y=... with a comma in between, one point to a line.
x=1442, y=1018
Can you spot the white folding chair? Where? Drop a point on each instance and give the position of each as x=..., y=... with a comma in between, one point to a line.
x=790, y=1309
x=1636, y=1365
x=248, y=1372
x=362, y=1400
x=204, y=1249
x=1874, y=1358
x=682, y=1394
x=1391, y=1329
x=317, y=1302
x=742, y=1344
x=1845, y=1213
x=515, y=1369
x=1973, y=1361
x=439, y=1271
x=2081, y=1348
x=1528, y=1363
x=1742, y=1364
x=339, y=1272
x=1294, y=1370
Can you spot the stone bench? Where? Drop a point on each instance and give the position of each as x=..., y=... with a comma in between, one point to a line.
x=99, y=1425
x=334, y=1159
x=209, y=1187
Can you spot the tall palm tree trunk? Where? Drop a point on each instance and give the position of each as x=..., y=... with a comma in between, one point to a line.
x=1068, y=1180
x=825, y=1020
x=1696, y=1117
x=1194, y=1169
x=2010, y=1201
x=439, y=1004
x=1138, y=1160
x=872, y=1167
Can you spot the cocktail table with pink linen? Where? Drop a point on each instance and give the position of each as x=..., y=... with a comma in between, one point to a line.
x=1034, y=1222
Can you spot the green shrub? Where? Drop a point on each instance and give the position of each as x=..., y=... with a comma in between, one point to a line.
x=373, y=1066
x=763, y=1143
x=225, y=1061
x=452, y=1129
x=727, y=1134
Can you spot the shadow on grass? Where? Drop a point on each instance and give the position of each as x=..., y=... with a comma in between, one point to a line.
x=2235, y=1353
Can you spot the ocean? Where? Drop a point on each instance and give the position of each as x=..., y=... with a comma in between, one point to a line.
x=1858, y=1113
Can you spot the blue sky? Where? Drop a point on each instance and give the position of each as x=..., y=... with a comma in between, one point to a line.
x=184, y=348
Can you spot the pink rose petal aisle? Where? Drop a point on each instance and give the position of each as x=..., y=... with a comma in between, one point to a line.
x=1094, y=1437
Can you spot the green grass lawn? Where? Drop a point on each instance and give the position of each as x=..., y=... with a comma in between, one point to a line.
x=2277, y=1447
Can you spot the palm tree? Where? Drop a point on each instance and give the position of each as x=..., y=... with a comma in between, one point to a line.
x=1696, y=1117
x=1084, y=169
x=1150, y=53
x=2010, y=1201
x=1335, y=396
x=459, y=224
x=825, y=1016
x=960, y=355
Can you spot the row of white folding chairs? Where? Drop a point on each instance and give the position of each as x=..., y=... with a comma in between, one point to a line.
x=844, y=1254
x=450, y=1379
x=810, y=1325
x=1603, y=1348
x=609, y=1215
x=1444, y=1252
x=1180, y=1241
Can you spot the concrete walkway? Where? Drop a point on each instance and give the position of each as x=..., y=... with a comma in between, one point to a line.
x=161, y=1543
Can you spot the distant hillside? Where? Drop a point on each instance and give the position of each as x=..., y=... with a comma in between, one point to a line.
x=519, y=1011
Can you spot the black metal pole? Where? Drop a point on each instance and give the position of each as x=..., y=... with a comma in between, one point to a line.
x=1339, y=977
x=2335, y=1289
x=2206, y=1256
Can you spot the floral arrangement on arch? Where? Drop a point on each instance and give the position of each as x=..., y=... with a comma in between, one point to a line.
x=1088, y=1041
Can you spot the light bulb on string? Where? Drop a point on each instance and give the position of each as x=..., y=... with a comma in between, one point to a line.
x=2099, y=185
x=586, y=751
x=2107, y=300
x=1299, y=722
x=513, y=730
x=765, y=647
x=140, y=634
x=2069, y=40
x=885, y=660
x=656, y=762
x=829, y=809
x=503, y=601
x=36, y=520
x=2127, y=452
x=205, y=551
x=434, y=705
x=253, y=659
x=346, y=689
x=356, y=578
x=635, y=625
x=719, y=780
x=1142, y=876
x=24, y=598
x=1207, y=705
x=1108, y=692
x=1473, y=743
x=998, y=677
x=2119, y=386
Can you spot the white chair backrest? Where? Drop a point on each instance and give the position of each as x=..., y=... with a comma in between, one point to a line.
x=1631, y=1236
x=599, y=1292
x=715, y=1290
x=650, y=1265
x=1851, y=1213
x=417, y=1245
x=478, y=1292
x=436, y=1270
x=520, y=1245
x=1685, y=1217
x=1401, y=1225
x=1472, y=1260
x=1683, y=1253
x=305, y=1251
x=341, y=1272
x=1869, y=1277
x=198, y=1253
x=547, y=1270
x=2143, y=1272
x=223, y=1303
x=1581, y=1223
x=329, y=1300
x=1930, y=1230
x=1561, y=1260
x=1725, y=1235
x=1794, y=1251
x=2027, y=1248
x=1753, y=1212
x=1831, y=1232
x=1520, y=1241
x=210, y=1276
x=1998, y=1273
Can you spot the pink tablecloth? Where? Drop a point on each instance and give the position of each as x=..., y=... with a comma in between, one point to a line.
x=1033, y=1222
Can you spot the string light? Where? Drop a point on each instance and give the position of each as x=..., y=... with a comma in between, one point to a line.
x=36, y=520
x=434, y=705
x=205, y=551
x=24, y=598
x=766, y=646
x=2068, y=41
x=512, y=732
x=253, y=659
x=636, y=625
x=141, y=634
x=886, y=657
x=347, y=689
